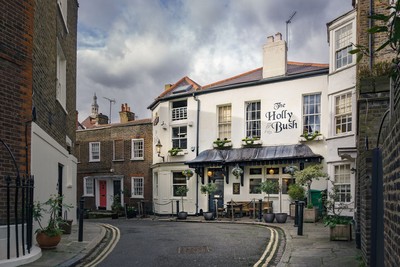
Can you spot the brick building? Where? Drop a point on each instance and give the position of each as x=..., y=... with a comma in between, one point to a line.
x=378, y=213
x=38, y=96
x=115, y=160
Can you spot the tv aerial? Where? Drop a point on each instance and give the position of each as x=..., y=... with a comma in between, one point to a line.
x=287, y=24
x=112, y=101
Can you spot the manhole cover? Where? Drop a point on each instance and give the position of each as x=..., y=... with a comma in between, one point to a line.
x=193, y=250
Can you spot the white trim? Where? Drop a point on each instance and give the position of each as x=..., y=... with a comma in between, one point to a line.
x=133, y=187
x=133, y=141
x=91, y=152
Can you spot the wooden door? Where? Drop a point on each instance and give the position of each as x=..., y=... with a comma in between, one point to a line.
x=103, y=193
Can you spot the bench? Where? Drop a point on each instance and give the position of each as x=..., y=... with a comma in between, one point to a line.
x=247, y=207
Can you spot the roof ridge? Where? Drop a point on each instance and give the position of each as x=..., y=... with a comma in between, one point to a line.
x=230, y=78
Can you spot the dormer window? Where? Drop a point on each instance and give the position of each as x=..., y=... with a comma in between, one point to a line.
x=179, y=110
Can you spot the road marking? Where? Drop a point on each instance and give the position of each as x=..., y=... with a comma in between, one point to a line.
x=115, y=236
x=273, y=242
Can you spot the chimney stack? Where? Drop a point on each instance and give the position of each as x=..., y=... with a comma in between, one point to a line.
x=125, y=114
x=275, y=57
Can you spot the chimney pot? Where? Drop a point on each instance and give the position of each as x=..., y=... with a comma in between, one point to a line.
x=270, y=39
x=278, y=36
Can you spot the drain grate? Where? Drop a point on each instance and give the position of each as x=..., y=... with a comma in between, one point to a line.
x=193, y=250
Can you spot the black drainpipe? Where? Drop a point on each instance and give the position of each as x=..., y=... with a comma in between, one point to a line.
x=197, y=150
x=371, y=11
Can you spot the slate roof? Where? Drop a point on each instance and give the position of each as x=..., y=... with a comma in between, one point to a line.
x=255, y=156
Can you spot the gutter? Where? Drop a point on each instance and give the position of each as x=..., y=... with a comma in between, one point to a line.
x=241, y=85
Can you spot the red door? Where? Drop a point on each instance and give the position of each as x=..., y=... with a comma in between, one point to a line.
x=103, y=193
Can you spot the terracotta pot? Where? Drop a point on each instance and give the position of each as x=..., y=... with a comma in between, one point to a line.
x=66, y=226
x=47, y=242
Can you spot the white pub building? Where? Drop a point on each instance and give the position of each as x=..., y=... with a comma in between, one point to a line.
x=282, y=114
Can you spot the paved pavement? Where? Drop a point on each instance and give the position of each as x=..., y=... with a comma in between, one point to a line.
x=311, y=249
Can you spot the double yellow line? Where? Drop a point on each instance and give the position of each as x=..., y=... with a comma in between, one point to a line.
x=115, y=236
x=270, y=250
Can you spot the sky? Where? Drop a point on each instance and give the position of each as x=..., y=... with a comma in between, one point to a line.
x=129, y=49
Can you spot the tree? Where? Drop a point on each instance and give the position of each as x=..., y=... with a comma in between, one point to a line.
x=306, y=177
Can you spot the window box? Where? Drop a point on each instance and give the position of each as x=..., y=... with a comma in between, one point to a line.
x=221, y=144
x=251, y=141
x=176, y=151
x=316, y=136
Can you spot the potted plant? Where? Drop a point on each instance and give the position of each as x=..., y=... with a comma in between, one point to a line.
x=237, y=171
x=174, y=151
x=116, y=207
x=187, y=173
x=295, y=192
x=66, y=225
x=269, y=187
x=182, y=191
x=130, y=212
x=50, y=235
x=222, y=143
x=209, y=189
x=306, y=177
x=310, y=136
x=251, y=141
x=340, y=226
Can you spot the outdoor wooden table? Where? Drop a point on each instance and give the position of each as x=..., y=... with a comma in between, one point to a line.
x=235, y=207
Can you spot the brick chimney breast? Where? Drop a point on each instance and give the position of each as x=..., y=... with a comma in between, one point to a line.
x=125, y=114
x=275, y=57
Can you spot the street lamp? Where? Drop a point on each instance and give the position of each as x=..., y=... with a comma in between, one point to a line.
x=158, y=149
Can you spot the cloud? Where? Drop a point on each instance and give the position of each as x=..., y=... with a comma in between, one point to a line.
x=128, y=49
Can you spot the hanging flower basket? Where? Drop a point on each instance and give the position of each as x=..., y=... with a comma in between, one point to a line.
x=237, y=171
x=188, y=173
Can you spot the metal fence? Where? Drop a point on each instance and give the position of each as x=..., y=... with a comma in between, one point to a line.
x=17, y=207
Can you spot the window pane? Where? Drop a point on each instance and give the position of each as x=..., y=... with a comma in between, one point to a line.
x=253, y=119
x=255, y=186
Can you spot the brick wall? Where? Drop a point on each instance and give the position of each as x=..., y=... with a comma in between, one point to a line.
x=51, y=116
x=16, y=42
x=106, y=134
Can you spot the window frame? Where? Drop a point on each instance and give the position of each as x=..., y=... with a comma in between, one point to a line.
x=134, y=187
x=139, y=150
x=346, y=117
x=307, y=106
x=342, y=50
x=253, y=119
x=338, y=181
x=61, y=80
x=85, y=186
x=179, y=113
x=63, y=8
x=224, y=113
x=178, y=138
x=91, y=144
x=177, y=181
x=122, y=152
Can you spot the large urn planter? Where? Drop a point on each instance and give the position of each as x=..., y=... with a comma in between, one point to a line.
x=310, y=215
x=208, y=216
x=47, y=242
x=269, y=217
x=281, y=217
x=182, y=215
x=340, y=232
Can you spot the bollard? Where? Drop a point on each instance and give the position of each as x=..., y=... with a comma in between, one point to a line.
x=80, y=232
x=296, y=213
x=300, y=218
x=177, y=207
x=260, y=210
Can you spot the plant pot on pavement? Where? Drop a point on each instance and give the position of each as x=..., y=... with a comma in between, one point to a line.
x=281, y=217
x=47, y=242
x=269, y=217
x=208, y=216
x=182, y=215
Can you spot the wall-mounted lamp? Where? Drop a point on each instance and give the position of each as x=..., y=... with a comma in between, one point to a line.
x=353, y=170
x=271, y=171
x=158, y=149
x=209, y=173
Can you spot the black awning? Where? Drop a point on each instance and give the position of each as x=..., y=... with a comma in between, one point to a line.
x=255, y=156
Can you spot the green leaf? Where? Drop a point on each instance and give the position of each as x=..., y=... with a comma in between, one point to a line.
x=376, y=29
x=383, y=45
x=379, y=17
